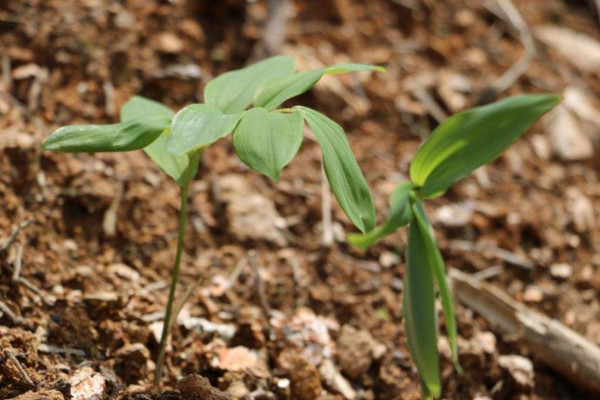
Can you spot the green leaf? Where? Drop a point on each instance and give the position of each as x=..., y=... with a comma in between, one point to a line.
x=141, y=107
x=275, y=91
x=436, y=263
x=125, y=136
x=197, y=126
x=171, y=164
x=266, y=142
x=400, y=215
x=472, y=138
x=351, y=67
x=233, y=91
x=420, y=322
x=342, y=170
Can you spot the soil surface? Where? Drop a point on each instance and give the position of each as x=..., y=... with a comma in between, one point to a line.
x=267, y=310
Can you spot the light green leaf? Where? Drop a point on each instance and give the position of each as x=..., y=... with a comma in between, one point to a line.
x=342, y=170
x=141, y=107
x=420, y=322
x=171, y=164
x=197, y=126
x=233, y=91
x=436, y=263
x=351, y=67
x=275, y=91
x=472, y=138
x=266, y=142
x=400, y=215
x=125, y=136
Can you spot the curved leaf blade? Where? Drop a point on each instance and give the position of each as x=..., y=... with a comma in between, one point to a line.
x=197, y=126
x=420, y=322
x=436, y=262
x=267, y=142
x=342, y=171
x=233, y=91
x=125, y=136
x=352, y=67
x=142, y=107
x=275, y=91
x=400, y=215
x=472, y=138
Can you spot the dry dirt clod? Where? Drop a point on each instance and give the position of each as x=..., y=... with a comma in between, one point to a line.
x=197, y=387
x=41, y=395
x=87, y=384
x=304, y=377
x=131, y=362
x=356, y=351
x=520, y=369
x=336, y=381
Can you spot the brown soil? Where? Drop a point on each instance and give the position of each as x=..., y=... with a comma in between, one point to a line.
x=270, y=312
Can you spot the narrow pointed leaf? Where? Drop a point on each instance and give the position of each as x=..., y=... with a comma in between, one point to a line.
x=275, y=91
x=472, y=138
x=342, y=170
x=234, y=91
x=125, y=136
x=171, y=164
x=419, y=312
x=400, y=215
x=266, y=142
x=351, y=67
x=197, y=126
x=436, y=262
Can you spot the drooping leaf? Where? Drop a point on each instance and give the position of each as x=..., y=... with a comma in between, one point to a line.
x=125, y=136
x=342, y=170
x=436, y=262
x=472, y=138
x=234, y=91
x=351, y=67
x=197, y=126
x=400, y=215
x=275, y=91
x=171, y=164
x=420, y=322
x=142, y=107
x=266, y=142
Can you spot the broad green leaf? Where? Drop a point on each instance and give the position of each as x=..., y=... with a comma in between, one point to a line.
x=197, y=126
x=234, y=91
x=400, y=215
x=342, y=170
x=266, y=142
x=141, y=107
x=172, y=165
x=420, y=322
x=275, y=91
x=351, y=67
x=125, y=136
x=472, y=138
x=436, y=262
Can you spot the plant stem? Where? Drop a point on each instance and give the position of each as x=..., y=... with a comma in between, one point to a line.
x=193, y=159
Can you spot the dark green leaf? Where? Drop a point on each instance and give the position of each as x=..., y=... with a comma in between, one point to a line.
x=436, y=262
x=173, y=165
x=351, y=67
x=234, y=91
x=126, y=136
x=197, y=126
x=472, y=138
x=275, y=91
x=400, y=215
x=342, y=170
x=420, y=322
x=141, y=107
x=266, y=142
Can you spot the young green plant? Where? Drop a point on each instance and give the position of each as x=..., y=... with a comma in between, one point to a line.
x=246, y=103
x=461, y=144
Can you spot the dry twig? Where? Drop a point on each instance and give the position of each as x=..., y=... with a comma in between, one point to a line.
x=13, y=234
x=20, y=368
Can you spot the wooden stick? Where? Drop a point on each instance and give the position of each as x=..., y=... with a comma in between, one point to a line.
x=562, y=349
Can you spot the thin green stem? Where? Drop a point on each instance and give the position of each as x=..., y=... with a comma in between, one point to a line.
x=193, y=159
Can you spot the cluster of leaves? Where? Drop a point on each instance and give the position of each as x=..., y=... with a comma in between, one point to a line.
x=264, y=137
x=461, y=144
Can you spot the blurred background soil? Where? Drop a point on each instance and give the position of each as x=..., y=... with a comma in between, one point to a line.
x=87, y=240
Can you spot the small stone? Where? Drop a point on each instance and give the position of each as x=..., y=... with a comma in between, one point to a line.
x=388, y=259
x=169, y=43
x=131, y=362
x=87, y=384
x=519, y=368
x=455, y=215
x=561, y=271
x=533, y=294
